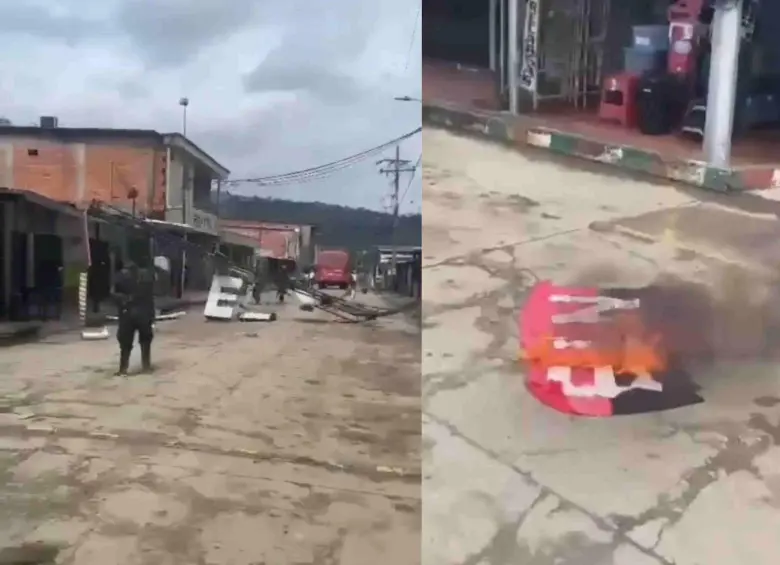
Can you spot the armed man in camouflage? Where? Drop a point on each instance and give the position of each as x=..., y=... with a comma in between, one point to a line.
x=134, y=294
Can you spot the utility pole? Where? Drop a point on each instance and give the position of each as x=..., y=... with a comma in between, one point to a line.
x=397, y=167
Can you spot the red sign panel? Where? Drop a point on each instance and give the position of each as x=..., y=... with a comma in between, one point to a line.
x=590, y=353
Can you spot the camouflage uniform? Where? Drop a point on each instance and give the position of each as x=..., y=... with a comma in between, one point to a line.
x=135, y=304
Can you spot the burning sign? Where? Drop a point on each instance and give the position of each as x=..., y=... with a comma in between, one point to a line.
x=595, y=352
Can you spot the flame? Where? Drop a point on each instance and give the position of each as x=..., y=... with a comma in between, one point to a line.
x=624, y=343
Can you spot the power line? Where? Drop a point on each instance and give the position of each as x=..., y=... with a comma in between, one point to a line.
x=414, y=35
x=398, y=166
x=321, y=171
x=411, y=178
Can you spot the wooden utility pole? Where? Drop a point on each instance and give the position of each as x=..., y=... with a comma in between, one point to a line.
x=396, y=167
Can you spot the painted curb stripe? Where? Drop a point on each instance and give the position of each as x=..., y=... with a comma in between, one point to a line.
x=502, y=128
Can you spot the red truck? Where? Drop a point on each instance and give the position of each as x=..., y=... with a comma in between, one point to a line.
x=333, y=267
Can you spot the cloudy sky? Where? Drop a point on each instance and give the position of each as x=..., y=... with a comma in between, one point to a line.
x=274, y=86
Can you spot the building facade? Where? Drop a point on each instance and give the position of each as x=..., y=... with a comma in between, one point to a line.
x=164, y=176
x=190, y=176
x=288, y=242
x=554, y=56
x=50, y=175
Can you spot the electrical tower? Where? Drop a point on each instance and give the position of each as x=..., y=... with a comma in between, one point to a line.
x=394, y=169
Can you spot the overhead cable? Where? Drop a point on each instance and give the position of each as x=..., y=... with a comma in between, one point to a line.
x=321, y=171
x=411, y=178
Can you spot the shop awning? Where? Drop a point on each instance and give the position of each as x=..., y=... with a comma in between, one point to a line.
x=178, y=227
x=43, y=201
x=233, y=238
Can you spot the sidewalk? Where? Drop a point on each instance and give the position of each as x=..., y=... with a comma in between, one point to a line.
x=12, y=333
x=522, y=131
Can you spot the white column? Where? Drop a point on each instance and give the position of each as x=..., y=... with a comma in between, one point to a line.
x=7, y=225
x=502, y=44
x=492, y=34
x=722, y=86
x=513, y=61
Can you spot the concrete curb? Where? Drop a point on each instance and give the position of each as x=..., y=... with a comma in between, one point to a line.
x=694, y=250
x=520, y=131
x=490, y=125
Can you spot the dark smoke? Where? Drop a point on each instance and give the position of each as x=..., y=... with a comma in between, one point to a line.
x=735, y=317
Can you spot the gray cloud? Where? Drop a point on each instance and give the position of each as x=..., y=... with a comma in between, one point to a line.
x=46, y=22
x=171, y=32
x=318, y=61
x=274, y=86
x=327, y=85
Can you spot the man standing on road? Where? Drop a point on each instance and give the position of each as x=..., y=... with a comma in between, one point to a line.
x=135, y=304
x=282, y=281
x=261, y=275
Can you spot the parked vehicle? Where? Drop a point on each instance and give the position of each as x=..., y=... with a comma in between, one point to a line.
x=333, y=267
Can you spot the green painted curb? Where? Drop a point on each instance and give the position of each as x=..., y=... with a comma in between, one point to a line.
x=496, y=127
x=637, y=160
x=500, y=127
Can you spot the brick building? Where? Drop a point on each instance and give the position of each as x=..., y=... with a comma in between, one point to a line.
x=171, y=176
x=289, y=242
x=48, y=172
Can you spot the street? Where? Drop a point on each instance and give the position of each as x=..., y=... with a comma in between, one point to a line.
x=508, y=480
x=277, y=443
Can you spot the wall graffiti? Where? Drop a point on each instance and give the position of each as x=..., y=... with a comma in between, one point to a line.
x=530, y=61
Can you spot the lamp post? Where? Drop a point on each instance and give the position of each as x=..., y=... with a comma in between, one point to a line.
x=184, y=102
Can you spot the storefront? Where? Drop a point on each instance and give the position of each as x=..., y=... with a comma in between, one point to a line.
x=465, y=51
x=41, y=242
x=457, y=31
x=687, y=77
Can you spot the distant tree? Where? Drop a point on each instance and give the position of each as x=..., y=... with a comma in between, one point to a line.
x=5, y=121
x=338, y=226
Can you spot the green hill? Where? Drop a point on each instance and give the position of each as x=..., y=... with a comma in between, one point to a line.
x=338, y=226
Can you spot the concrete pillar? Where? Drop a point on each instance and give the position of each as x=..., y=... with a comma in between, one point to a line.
x=492, y=34
x=7, y=225
x=513, y=61
x=502, y=44
x=7, y=165
x=167, y=181
x=722, y=86
x=80, y=159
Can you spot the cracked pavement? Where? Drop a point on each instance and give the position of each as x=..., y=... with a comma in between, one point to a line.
x=295, y=442
x=507, y=480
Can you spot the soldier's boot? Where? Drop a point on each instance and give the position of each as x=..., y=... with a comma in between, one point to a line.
x=124, y=362
x=146, y=357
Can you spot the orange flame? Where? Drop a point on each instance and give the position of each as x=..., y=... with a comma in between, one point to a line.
x=623, y=344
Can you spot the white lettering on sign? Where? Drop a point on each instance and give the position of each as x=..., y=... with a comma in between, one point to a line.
x=563, y=343
x=225, y=297
x=604, y=384
x=594, y=307
x=204, y=221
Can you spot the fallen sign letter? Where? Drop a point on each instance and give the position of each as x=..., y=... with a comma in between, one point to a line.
x=227, y=301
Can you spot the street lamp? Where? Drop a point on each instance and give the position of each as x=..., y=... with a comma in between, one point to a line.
x=184, y=102
x=407, y=99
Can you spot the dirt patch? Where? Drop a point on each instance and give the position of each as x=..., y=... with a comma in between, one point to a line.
x=29, y=554
x=712, y=230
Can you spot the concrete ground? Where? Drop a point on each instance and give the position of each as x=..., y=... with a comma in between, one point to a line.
x=294, y=442
x=509, y=481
